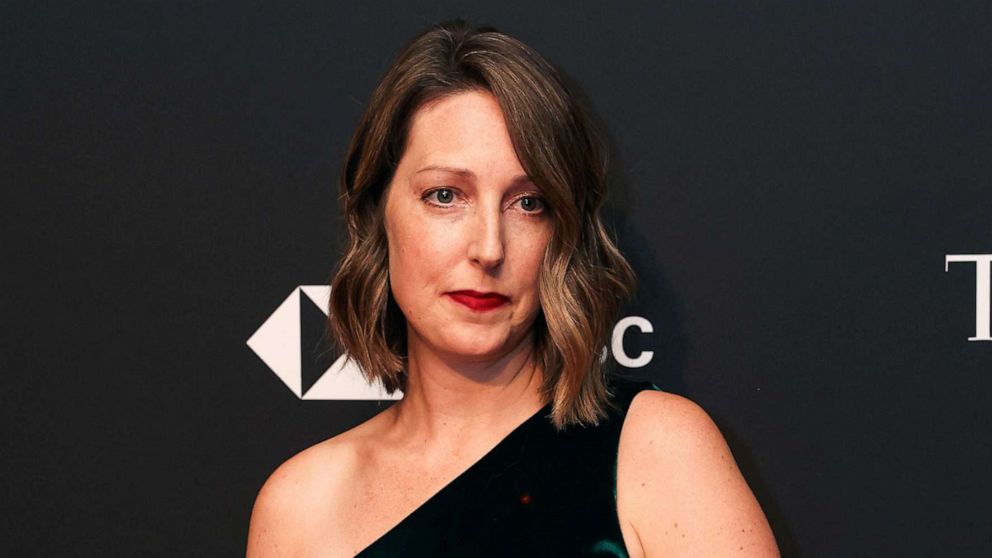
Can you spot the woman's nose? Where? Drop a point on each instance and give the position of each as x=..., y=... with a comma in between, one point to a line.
x=486, y=245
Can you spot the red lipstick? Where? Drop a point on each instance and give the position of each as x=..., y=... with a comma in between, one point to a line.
x=479, y=301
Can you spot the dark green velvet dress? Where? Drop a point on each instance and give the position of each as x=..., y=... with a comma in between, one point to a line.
x=538, y=492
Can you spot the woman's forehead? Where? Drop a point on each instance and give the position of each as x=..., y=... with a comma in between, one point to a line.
x=462, y=122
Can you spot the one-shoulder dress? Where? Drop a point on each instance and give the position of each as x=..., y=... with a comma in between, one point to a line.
x=538, y=492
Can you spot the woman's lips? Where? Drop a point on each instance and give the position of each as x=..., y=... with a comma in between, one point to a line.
x=479, y=301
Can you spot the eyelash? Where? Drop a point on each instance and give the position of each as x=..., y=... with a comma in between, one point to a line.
x=544, y=204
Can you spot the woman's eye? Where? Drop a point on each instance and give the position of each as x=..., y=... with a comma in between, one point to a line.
x=531, y=204
x=442, y=195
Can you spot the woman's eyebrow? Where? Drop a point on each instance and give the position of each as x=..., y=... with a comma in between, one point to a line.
x=456, y=170
x=469, y=174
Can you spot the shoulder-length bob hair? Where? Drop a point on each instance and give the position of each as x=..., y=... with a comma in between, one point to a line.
x=584, y=279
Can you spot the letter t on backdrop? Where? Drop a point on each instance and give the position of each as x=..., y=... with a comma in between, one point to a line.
x=983, y=284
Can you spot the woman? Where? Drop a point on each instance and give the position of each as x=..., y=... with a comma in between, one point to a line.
x=480, y=281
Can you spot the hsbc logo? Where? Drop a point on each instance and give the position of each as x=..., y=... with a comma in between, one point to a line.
x=281, y=344
x=983, y=286
x=288, y=343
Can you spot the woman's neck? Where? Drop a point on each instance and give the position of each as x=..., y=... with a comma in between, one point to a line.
x=448, y=398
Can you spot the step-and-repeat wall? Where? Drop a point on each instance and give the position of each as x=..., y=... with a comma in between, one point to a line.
x=804, y=190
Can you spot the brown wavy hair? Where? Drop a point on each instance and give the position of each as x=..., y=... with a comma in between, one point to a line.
x=584, y=279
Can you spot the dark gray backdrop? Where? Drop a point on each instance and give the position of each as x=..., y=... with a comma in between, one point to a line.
x=790, y=178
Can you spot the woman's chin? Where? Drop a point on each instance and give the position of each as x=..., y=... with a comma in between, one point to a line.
x=477, y=352
x=478, y=349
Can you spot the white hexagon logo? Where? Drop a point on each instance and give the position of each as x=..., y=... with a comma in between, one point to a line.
x=279, y=343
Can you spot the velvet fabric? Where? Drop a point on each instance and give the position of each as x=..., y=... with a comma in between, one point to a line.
x=538, y=492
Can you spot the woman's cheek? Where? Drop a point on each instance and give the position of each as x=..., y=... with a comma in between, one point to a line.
x=441, y=240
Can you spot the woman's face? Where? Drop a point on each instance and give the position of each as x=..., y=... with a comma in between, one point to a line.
x=461, y=215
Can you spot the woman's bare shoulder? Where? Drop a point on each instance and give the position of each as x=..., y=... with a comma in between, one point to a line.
x=305, y=494
x=679, y=487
